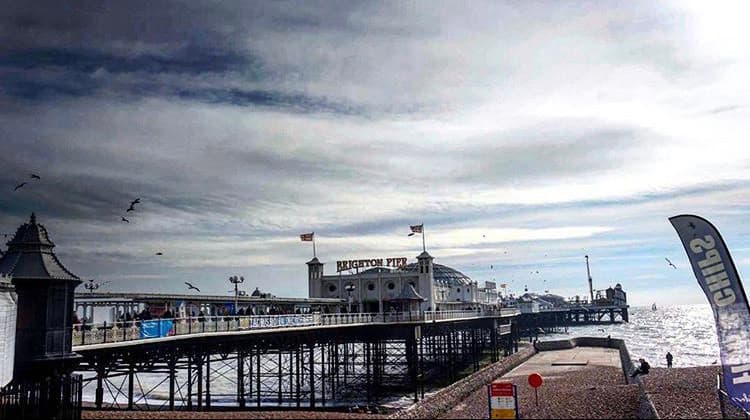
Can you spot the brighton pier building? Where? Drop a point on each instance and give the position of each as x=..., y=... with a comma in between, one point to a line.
x=383, y=285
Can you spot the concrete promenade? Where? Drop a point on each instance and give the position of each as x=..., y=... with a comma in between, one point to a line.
x=582, y=382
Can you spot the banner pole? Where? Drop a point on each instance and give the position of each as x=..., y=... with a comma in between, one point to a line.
x=315, y=254
x=424, y=248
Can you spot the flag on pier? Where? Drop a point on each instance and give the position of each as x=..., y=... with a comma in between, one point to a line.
x=718, y=277
x=309, y=237
x=418, y=229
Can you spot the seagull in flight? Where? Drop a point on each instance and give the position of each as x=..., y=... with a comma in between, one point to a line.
x=670, y=263
x=159, y=253
x=190, y=286
x=35, y=176
x=136, y=201
x=125, y=220
x=19, y=186
x=131, y=208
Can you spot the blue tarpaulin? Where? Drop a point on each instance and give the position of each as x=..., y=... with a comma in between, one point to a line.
x=156, y=328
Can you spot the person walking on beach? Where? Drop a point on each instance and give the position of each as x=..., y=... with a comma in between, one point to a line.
x=642, y=369
x=669, y=359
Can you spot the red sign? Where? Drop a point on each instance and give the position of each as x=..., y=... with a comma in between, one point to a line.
x=501, y=389
x=535, y=380
x=502, y=398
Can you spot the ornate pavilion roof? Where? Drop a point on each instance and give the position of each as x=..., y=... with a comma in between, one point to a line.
x=408, y=294
x=30, y=256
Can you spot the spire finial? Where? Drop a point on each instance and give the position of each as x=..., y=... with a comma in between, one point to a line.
x=32, y=220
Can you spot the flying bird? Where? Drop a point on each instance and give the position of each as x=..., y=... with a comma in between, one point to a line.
x=159, y=253
x=190, y=286
x=19, y=186
x=131, y=208
x=125, y=220
x=670, y=263
x=35, y=176
x=136, y=201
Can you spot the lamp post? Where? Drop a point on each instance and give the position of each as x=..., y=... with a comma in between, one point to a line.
x=91, y=286
x=349, y=289
x=236, y=280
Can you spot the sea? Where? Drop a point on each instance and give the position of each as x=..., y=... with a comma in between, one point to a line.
x=686, y=331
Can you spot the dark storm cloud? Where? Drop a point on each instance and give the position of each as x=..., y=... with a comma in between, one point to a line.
x=190, y=60
x=46, y=73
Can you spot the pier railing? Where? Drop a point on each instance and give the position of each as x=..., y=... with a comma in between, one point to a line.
x=119, y=331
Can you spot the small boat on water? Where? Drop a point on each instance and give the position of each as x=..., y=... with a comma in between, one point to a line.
x=653, y=306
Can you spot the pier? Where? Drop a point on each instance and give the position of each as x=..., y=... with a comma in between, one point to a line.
x=325, y=361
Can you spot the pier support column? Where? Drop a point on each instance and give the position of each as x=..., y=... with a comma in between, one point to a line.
x=171, y=382
x=241, y=379
x=312, y=375
x=130, y=386
x=208, y=381
x=99, y=387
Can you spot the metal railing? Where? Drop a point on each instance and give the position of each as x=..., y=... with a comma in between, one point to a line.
x=119, y=331
x=58, y=397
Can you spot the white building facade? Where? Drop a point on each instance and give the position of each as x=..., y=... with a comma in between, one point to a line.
x=374, y=289
x=8, y=308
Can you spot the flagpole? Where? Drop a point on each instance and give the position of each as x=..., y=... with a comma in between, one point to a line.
x=315, y=255
x=424, y=248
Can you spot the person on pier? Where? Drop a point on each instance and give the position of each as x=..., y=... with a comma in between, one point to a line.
x=669, y=359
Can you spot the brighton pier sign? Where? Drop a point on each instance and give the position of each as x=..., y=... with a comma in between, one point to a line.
x=370, y=262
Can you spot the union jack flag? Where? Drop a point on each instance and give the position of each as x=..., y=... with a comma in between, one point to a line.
x=416, y=229
x=306, y=237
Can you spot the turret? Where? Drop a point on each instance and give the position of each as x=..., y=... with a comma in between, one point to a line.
x=45, y=301
x=426, y=283
x=314, y=277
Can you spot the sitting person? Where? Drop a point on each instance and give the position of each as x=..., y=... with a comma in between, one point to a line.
x=642, y=369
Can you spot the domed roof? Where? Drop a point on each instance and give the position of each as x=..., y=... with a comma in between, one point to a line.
x=444, y=275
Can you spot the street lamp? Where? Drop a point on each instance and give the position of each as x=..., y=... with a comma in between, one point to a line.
x=349, y=289
x=236, y=280
x=91, y=286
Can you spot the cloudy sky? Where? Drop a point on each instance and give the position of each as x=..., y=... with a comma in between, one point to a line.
x=523, y=134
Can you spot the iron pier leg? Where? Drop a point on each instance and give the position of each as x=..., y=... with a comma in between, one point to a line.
x=130, y=387
x=250, y=374
x=322, y=375
x=297, y=366
x=208, y=381
x=280, y=377
x=99, y=387
x=190, y=383
x=312, y=375
x=200, y=383
x=257, y=378
x=368, y=368
x=171, y=383
x=411, y=360
x=241, y=379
